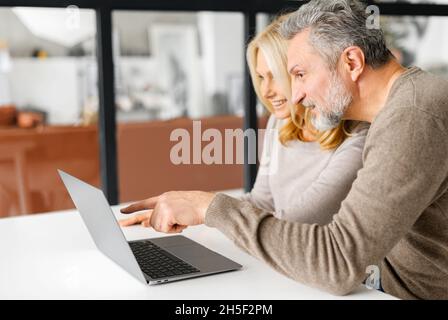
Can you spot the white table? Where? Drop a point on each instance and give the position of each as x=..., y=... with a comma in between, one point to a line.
x=51, y=256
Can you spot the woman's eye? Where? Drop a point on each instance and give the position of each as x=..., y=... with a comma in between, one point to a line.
x=299, y=75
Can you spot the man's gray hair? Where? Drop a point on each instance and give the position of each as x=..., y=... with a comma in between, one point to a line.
x=336, y=25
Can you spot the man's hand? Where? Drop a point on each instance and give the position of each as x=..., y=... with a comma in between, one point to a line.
x=170, y=212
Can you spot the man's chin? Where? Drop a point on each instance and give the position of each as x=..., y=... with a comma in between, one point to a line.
x=323, y=124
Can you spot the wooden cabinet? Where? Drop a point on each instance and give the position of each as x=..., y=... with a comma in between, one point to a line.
x=29, y=159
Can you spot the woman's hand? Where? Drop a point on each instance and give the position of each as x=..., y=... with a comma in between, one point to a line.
x=142, y=218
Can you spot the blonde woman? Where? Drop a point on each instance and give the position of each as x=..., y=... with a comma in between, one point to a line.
x=304, y=175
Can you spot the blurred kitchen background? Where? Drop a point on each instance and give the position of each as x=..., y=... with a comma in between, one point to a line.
x=170, y=68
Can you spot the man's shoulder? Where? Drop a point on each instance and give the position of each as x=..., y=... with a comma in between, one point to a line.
x=419, y=95
x=422, y=91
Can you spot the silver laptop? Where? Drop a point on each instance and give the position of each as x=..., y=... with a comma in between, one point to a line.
x=152, y=261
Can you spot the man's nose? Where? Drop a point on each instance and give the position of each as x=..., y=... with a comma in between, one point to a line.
x=298, y=94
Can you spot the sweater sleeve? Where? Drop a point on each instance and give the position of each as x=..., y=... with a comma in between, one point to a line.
x=405, y=164
x=322, y=199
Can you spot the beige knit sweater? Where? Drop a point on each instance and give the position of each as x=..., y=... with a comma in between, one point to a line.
x=395, y=215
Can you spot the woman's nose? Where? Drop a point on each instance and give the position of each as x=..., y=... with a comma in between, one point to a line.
x=266, y=89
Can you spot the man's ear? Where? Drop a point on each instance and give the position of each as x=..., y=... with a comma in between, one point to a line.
x=353, y=62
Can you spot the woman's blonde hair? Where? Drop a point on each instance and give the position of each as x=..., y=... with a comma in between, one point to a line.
x=274, y=47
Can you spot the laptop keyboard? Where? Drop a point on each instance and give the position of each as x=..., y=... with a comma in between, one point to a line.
x=158, y=263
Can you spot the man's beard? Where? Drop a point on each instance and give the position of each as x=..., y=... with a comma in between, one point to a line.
x=337, y=100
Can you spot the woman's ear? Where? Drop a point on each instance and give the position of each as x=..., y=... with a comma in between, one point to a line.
x=353, y=62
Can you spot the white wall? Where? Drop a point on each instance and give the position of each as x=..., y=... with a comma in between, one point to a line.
x=433, y=50
x=132, y=27
x=51, y=84
x=223, y=47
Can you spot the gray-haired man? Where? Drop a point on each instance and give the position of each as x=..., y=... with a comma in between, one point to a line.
x=396, y=214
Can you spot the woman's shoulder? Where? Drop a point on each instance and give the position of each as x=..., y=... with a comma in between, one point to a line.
x=358, y=132
x=269, y=134
x=358, y=128
x=273, y=122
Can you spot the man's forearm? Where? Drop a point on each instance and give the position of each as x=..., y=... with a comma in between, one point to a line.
x=299, y=251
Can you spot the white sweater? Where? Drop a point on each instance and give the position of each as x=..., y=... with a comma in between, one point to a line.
x=300, y=181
